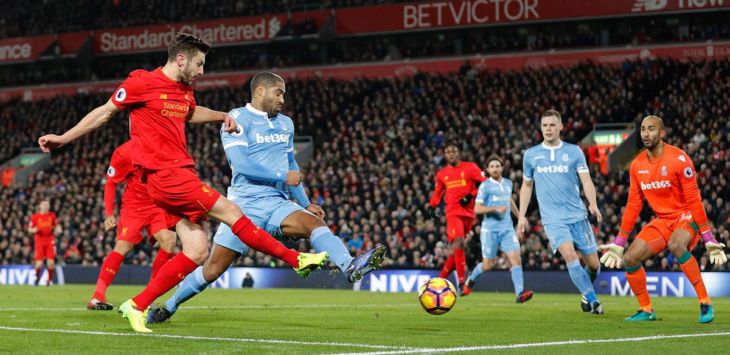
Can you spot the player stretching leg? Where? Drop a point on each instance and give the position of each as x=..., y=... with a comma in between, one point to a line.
x=161, y=102
x=138, y=212
x=555, y=168
x=265, y=174
x=494, y=201
x=44, y=226
x=665, y=176
x=459, y=180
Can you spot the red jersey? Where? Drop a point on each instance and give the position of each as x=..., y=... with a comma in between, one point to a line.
x=159, y=109
x=668, y=183
x=45, y=222
x=120, y=170
x=458, y=181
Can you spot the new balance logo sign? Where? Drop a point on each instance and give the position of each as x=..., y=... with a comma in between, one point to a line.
x=553, y=169
x=272, y=138
x=656, y=185
x=649, y=5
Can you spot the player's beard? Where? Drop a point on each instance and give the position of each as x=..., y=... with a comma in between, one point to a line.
x=272, y=108
x=651, y=144
x=187, y=75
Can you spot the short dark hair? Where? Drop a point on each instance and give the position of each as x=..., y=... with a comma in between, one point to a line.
x=552, y=112
x=265, y=79
x=494, y=157
x=452, y=145
x=187, y=44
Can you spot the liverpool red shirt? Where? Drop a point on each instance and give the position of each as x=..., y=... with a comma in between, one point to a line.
x=45, y=222
x=159, y=109
x=121, y=170
x=458, y=181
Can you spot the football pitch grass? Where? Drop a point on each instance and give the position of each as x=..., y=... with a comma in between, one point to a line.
x=286, y=321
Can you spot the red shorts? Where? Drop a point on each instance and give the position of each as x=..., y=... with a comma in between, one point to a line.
x=45, y=249
x=180, y=192
x=152, y=218
x=458, y=226
x=657, y=233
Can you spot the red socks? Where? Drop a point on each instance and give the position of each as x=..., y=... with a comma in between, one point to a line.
x=169, y=275
x=161, y=258
x=460, y=262
x=108, y=271
x=259, y=240
x=448, y=267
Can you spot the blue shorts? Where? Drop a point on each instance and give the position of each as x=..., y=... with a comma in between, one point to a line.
x=579, y=233
x=266, y=213
x=504, y=240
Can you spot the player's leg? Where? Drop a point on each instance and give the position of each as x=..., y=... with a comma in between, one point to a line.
x=459, y=246
x=293, y=221
x=645, y=245
x=229, y=213
x=683, y=239
x=518, y=280
x=452, y=231
x=580, y=277
x=51, y=263
x=167, y=240
x=39, y=251
x=158, y=226
x=109, y=269
x=218, y=262
x=490, y=243
x=129, y=229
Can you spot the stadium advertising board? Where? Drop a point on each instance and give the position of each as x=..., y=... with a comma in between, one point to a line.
x=229, y=31
x=665, y=284
x=426, y=15
x=25, y=275
x=23, y=49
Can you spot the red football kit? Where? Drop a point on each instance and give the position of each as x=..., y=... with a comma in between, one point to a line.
x=138, y=210
x=160, y=107
x=44, y=242
x=457, y=181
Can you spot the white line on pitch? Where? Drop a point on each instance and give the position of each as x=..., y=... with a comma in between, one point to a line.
x=191, y=337
x=537, y=345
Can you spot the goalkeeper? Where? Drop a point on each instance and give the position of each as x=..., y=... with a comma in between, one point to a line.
x=665, y=176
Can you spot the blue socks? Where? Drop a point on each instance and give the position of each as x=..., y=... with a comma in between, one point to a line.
x=517, y=279
x=582, y=281
x=322, y=239
x=191, y=286
x=476, y=272
x=593, y=274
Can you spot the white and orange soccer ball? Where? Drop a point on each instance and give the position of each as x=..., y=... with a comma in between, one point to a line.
x=437, y=296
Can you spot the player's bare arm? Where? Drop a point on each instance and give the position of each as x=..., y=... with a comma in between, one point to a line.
x=590, y=191
x=92, y=121
x=480, y=209
x=515, y=210
x=205, y=115
x=525, y=195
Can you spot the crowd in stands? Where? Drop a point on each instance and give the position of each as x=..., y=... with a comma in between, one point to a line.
x=378, y=144
x=22, y=18
x=294, y=48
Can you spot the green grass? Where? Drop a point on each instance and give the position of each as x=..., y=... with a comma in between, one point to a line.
x=330, y=321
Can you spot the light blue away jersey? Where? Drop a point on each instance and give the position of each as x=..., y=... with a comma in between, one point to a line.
x=494, y=193
x=268, y=141
x=555, y=172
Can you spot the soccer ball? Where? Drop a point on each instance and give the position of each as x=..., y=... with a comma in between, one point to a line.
x=437, y=296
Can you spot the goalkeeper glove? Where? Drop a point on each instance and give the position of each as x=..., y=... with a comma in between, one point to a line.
x=714, y=248
x=614, y=252
x=464, y=201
